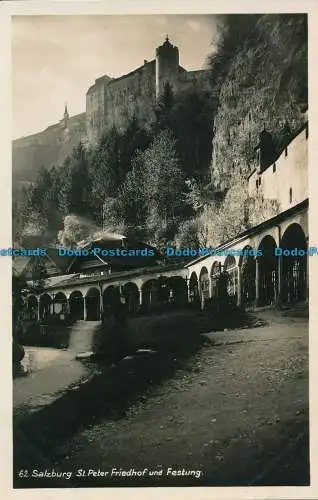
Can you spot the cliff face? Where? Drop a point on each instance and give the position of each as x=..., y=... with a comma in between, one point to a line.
x=47, y=148
x=266, y=85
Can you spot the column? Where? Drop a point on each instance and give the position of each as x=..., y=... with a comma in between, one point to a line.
x=188, y=289
x=211, y=287
x=279, y=279
x=140, y=296
x=257, y=281
x=101, y=305
x=85, y=308
x=38, y=309
x=239, y=286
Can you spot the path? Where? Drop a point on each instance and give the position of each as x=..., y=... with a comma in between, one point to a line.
x=239, y=415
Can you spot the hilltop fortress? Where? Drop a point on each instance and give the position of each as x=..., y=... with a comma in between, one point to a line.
x=109, y=101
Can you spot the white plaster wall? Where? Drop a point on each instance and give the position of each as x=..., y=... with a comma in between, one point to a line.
x=291, y=172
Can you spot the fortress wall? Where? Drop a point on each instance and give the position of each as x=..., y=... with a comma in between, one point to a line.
x=132, y=95
x=114, y=101
x=95, y=108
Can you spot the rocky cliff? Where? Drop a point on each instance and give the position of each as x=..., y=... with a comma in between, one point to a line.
x=265, y=85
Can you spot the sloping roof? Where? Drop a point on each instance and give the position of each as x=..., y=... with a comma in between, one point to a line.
x=61, y=262
x=19, y=265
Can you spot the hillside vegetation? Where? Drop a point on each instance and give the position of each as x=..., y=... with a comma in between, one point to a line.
x=265, y=84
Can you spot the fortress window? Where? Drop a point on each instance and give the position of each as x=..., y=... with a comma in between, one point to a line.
x=290, y=195
x=274, y=168
x=256, y=183
x=285, y=151
x=259, y=181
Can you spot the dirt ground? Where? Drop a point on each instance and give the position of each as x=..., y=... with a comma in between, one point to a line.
x=236, y=413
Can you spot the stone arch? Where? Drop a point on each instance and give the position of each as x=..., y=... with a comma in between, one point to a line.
x=247, y=265
x=45, y=305
x=194, y=295
x=294, y=267
x=131, y=294
x=92, y=302
x=150, y=294
x=60, y=303
x=76, y=304
x=204, y=287
x=230, y=270
x=214, y=276
x=111, y=299
x=204, y=282
x=178, y=290
x=268, y=272
x=33, y=307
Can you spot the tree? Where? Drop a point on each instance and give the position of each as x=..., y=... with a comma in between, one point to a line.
x=163, y=109
x=163, y=181
x=75, y=196
x=18, y=303
x=39, y=273
x=220, y=222
x=76, y=229
x=131, y=200
x=192, y=118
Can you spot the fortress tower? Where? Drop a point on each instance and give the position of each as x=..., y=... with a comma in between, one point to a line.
x=114, y=101
x=167, y=66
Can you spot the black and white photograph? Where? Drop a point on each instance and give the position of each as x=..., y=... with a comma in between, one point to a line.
x=160, y=250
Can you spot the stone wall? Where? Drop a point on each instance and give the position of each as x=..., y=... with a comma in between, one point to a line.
x=112, y=102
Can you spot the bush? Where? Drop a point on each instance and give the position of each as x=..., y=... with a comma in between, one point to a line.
x=56, y=336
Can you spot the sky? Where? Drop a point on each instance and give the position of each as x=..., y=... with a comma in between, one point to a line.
x=55, y=59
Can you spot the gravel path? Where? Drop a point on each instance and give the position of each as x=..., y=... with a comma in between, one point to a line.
x=238, y=414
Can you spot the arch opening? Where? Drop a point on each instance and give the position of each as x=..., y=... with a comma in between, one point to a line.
x=178, y=291
x=76, y=303
x=268, y=272
x=130, y=293
x=294, y=267
x=60, y=304
x=32, y=308
x=230, y=270
x=45, y=306
x=215, y=276
x=248, y=276
x=151, y=293
x=111, y=299
x=194, y=296
x=92, y=301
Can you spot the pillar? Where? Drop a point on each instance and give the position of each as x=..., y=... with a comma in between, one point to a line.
x=279, y=279
x=85, y=308
x=101, y=305
x=257, y=282
x=140, y=296
x=239, y=286
x=38, y=309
